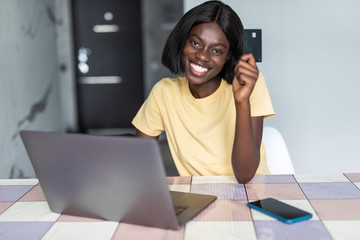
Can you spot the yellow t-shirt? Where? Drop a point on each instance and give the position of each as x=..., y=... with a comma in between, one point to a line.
x=200, y=132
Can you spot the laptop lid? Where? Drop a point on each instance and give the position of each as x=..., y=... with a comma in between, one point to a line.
x=109, y=177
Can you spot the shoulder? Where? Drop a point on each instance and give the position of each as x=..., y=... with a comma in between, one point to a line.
x=169, y=84
x=261, y=76
x=260, y=99
x=260, y=83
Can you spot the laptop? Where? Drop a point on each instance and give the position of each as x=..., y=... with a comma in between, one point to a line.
x=116, y=178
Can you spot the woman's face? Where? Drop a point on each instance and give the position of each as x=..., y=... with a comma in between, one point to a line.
x=205, y=52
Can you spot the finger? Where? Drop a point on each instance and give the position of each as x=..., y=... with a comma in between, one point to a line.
x=241, y=82
x=246, y=79
x=236, y=84
x=247, y=71
x=245, y=64
x=249, y=57
x=240, y=72
x=238, y=78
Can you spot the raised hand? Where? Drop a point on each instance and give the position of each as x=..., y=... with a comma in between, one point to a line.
x=246, y=74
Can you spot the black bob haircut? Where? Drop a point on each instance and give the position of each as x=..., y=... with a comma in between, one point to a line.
x=211, y=11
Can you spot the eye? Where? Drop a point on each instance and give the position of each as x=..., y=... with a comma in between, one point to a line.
x=217, y=51
x=194, y=43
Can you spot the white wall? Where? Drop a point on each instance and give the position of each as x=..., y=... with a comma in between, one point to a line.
x=29, y=91
x=311, y=56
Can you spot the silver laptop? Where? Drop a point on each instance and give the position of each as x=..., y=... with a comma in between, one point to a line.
x=109, y=177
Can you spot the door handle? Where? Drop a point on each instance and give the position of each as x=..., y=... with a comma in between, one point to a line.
x=100, y=80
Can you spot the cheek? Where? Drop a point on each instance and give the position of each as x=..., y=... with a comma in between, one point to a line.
x=185, y=54
x=183, y=60
x=184, y=63
x=220, y=62
x=186, y=51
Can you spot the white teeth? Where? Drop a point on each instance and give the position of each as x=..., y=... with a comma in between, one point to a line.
x=198, y=68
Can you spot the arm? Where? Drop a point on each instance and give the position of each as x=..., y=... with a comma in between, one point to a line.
x=143, y=135
x=248, y=130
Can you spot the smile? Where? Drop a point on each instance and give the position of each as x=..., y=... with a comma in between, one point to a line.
x=198, y=70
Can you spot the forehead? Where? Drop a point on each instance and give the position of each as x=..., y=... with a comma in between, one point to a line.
x=210, y=32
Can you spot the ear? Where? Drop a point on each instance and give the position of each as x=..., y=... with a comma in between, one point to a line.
x=228, y=56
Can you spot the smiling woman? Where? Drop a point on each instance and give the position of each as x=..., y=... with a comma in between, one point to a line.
x=205, y=52
x=213, y=115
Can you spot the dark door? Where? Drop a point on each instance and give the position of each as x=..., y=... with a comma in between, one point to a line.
x=108, y=48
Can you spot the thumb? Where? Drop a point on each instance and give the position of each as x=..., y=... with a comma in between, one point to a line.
x=235, y=84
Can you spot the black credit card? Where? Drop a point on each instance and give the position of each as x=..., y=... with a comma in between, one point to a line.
x=252, y=43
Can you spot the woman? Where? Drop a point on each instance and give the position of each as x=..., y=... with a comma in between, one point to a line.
x=213, y=115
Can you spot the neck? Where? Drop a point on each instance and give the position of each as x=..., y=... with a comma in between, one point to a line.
x=204, y=90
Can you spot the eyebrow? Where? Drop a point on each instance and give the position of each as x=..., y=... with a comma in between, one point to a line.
x=216, y=44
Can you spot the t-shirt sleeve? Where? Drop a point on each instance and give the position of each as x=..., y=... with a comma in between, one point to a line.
x=260, y=101
x=149, y=119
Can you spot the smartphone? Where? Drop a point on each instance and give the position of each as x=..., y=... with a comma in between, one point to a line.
x=280, y=210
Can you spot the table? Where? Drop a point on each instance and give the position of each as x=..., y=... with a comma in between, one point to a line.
x=333, y=199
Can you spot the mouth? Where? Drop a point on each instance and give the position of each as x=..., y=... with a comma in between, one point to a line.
x=198, y=70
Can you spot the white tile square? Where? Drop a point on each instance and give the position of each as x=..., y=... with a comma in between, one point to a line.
x=321, y=178
x=180, y=187
x=81, y=230
x=196, y=230
x=213, y=179
x=28, y=212
x=357, y=184
x=339, y=230
x=31, y=181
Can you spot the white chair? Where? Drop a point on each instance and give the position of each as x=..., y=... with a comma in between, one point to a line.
x=277, y=154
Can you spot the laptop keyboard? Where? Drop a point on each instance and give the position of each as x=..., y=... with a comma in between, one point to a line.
x=179, y=209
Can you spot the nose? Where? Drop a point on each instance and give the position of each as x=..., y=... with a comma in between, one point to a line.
x=202, y=55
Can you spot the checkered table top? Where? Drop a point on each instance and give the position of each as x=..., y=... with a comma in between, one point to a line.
x=333, y=199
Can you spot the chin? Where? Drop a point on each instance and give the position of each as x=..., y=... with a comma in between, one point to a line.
x=194, y=79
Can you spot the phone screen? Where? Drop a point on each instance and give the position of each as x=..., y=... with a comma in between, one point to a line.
x=279, y=210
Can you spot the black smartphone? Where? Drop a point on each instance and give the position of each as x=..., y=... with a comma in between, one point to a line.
x=280, y=210
x=252, y=43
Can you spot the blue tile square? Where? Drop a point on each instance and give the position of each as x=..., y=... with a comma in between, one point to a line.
x=24, y=230
x=280, y=178
x=301, y=230
x=13, y=193
x=328, y=190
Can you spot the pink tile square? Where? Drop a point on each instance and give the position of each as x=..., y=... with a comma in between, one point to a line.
x=339, y=209
x=71, y=218
x=285, y=191
x=35, y=194
x=4, y=206
x=179, y=180
x=225, y=210
x=135, y=232
x=354, y=177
